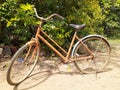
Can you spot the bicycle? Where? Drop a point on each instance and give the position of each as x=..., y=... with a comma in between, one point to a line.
x=90, y=54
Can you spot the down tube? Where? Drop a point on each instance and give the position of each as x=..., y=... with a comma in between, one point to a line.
x=54, y=49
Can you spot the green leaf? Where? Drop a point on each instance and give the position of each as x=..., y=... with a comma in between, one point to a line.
x=26, y=7
x=14, y=19
x=9, y=23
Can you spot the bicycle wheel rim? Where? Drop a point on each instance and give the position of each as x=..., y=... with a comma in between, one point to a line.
x=22, y=65
x=98, y=63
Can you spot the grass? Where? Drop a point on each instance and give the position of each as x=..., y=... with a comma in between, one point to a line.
x=114, y=41
x=115, y=47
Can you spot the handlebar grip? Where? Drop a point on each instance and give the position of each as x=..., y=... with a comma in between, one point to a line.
x=35, y=12
x=41, y=18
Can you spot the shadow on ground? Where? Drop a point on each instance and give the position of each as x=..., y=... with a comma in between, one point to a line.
x=38, y=76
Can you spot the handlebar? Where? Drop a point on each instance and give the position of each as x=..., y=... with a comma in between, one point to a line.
x=48, y=18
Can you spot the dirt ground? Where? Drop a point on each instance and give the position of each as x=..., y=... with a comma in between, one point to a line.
x=65, y=78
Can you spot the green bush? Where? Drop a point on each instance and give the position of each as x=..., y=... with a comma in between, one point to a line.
x=19, y=20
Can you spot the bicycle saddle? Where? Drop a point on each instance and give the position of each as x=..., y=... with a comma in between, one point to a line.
x=77, y=27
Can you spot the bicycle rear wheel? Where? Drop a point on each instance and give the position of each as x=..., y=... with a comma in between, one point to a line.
x=23, y=63
x=101, y=50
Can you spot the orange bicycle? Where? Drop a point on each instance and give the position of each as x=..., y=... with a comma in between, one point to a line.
x=90, y=54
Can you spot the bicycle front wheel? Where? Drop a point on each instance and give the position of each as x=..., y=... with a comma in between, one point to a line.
x=100, y=49
x=23, y=63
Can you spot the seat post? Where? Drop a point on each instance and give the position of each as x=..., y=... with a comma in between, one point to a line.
x=72, y=42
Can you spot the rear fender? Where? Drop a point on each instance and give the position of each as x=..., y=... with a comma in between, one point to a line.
x=77, y=43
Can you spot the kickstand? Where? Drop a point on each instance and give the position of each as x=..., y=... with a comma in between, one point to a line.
x=96, y=73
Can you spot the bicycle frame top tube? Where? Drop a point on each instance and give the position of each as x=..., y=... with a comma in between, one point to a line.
x=65, y=58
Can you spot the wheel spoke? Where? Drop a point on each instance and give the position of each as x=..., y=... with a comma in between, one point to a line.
x=99, y=48
x=23, y=63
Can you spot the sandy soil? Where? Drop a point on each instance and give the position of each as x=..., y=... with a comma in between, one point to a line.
x=67, y=78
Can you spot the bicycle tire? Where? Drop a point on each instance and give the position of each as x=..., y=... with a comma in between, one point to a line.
x=99, y=47
x=22, y=63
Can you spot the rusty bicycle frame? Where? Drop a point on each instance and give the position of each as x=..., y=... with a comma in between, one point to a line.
x=66, y=58
x=25, y=59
